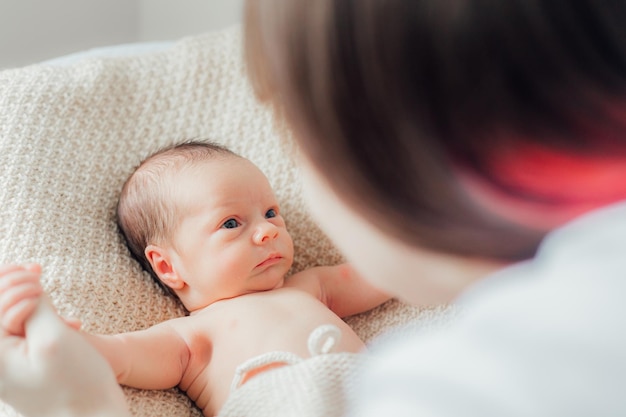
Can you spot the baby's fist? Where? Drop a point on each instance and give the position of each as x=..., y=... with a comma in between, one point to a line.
x=20, y=292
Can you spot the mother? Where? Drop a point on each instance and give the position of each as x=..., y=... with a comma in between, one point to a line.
x=444, y=140
x=452, y=150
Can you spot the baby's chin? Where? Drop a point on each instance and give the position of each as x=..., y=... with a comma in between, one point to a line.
x=272, y=279
x=279, y=284
x=274, y=284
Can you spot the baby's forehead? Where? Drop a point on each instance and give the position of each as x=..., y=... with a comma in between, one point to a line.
x=220, y=173
x=220, y=167
x=173, y=167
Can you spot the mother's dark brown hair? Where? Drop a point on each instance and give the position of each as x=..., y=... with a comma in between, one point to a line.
x=388, y=98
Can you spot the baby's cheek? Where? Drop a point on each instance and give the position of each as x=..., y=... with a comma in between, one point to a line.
x=288, y=250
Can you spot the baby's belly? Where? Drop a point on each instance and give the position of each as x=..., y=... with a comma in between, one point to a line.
x=242, y=335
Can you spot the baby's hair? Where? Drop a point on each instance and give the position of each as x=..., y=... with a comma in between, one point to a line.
x=146, y=213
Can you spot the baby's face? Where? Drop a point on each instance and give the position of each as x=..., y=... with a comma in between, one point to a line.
x=232, y=239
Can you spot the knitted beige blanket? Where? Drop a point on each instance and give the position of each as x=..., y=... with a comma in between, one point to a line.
x=69, y=136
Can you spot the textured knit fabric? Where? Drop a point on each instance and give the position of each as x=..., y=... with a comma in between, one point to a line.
x=69, y=137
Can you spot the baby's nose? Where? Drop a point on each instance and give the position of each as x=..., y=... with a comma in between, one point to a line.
x=264, y=233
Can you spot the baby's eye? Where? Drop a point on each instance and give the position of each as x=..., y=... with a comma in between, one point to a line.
x=270, y=213
x=230, y=224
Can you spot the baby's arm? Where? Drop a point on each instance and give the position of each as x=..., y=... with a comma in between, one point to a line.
x=154, y=358
x=339, y=287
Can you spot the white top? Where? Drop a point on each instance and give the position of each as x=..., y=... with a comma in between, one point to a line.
x=541, y=338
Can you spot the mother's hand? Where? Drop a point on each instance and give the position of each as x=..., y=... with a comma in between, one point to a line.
x=54, y=371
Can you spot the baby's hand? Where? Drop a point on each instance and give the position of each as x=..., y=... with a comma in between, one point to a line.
x=20, y=293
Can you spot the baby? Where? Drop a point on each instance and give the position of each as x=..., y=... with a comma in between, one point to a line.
x=205, y=222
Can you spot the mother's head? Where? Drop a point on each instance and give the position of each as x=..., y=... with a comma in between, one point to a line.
x=467, y=128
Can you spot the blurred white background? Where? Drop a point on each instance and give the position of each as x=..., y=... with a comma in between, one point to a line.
x=36, y=30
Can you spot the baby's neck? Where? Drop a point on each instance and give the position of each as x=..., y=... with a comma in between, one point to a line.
x=201, y=308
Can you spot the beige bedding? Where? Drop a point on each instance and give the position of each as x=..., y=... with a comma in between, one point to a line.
x=69, y=136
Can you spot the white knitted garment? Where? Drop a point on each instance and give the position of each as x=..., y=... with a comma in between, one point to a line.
x=70, y=135
x=314, y=387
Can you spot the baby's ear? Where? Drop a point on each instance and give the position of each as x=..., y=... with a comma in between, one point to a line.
x=161, y=263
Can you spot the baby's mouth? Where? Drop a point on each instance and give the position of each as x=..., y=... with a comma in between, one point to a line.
x=270, y=260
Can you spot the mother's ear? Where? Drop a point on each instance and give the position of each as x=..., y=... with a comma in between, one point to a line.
x=161, y=263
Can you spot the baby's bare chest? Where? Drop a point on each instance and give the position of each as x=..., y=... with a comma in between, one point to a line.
x=257, y=323
x=230, y=332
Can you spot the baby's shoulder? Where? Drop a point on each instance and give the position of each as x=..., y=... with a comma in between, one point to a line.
x=311, y=280
x=194, y=324
x=305, y=278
